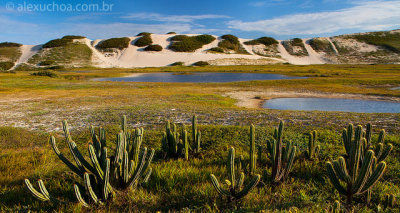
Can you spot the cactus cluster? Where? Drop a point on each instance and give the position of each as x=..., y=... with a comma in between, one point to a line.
x=175, y=145
x=361, y=167
x=235, y=189
x=313, y=148
x=103, y=174
x=282, y=157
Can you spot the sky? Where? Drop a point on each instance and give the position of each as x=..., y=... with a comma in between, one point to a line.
x=38, y=21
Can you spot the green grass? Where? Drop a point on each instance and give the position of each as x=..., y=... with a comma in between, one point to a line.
x=75, y=53
x=388, y=40
x=176, y=184
x=10, y=54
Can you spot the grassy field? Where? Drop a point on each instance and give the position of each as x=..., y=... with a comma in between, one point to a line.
x=33, y=107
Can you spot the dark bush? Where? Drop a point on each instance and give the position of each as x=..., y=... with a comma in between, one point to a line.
x=71, y=37
x=57, y=67
x=204, y=39
x=217, y=49
x=144, y=34
x=321, y=45
x=6, y=65
x=297, y=42
x=46, y=63
x=119, y=43
x=183, y=43
x=144, y=41
x=201, y=63
x=252, y=42
x=267, y=41
x=231, y=38
x=179, y=38
x=45, y=73
x=231, y=42
x=153, y=47
x=178, y=63
x=57, y=43
x=10, y=44
x=171, y=33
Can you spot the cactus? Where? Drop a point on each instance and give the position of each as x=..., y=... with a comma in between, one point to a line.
x=282, y=158
x=253, y=156
x=390, y=201
x=359, y=169
x=235, y=190
x=175, y=145
x=196, y=135
x=103, y=175
x=381, y=152
x=313, y=148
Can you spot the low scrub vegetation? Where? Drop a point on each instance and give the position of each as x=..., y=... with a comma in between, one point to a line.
x=267, y=41
x=144, y=34
x=183, y=43
x=72, y=53
x=114, y=43
x=45, y=73
x=388, y=40
x=201, y=63
x=6, y=65
x=171, y=33
x=178, y=63
x=143, y=41
x=154, y=47
x=295, y=47
x=46, y=63
x=72, y=37
x=231, y=43
x=217, y=49
x=61, y=41
x=10, y=44
x=321, y=45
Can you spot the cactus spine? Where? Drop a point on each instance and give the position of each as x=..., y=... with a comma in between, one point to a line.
x=313, y=148
x=282, y=157
x=128, y=167
x=360, y=170
x=253, y=156
x=235, y=190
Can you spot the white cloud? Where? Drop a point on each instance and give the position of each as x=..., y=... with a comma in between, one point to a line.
x=172, y=18
x=369, y=15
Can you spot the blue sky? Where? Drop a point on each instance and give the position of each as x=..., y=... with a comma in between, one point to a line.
x=37, y=21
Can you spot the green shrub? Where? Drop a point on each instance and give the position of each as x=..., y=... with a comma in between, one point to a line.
x=267, y=41
x=57, y=43
x=45, y=73
x=57, y=67
x=321, y=45
x=171, y=33
x=179, y=38
x=71, y=37
x=10, y=44
x=217, y=49
x=119, y=43
x=143, y=41
x=153, y=47
x=144, y=34
x=231, y=38
x=183, y=43
x=6, y=65
x=46, y=63
x=201, y=63
x=387, y=40
x=297, y=42
x=252, y=42
x=178, y=63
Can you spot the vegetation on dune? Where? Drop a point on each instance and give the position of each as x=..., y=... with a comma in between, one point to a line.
x=267, y=41
x=154, y=47
x=143, y=41
x=217, y=49
x=61, y=41
x=231, y=43
x=178, y=63
x=184, y=43
x=71, y=37
x=295, y=47
x=70, y=54
x=9, y=53
x=6, y=65
x=144, y=34
x=46, y=63
x=201, y=63
x=171, y=33
x=10, y=44
x=388, y=40
x=321, y=45
x=114, y=43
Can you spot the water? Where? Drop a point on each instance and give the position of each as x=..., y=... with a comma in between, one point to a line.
x=333, y=104
x=198, y=77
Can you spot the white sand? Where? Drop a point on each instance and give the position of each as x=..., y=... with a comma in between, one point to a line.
x=27, y=51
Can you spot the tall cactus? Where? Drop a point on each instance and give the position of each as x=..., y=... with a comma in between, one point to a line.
x=102, y=176
x=282, y=157
x=253, y=156
x=196, y=135
x=235, y=190
x=359, y=169
x=313, y=148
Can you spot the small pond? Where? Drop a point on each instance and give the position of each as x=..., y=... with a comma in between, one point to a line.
x=198, y=77
x=333, y=104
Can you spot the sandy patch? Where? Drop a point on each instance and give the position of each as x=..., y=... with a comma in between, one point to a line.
x=255, y=99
